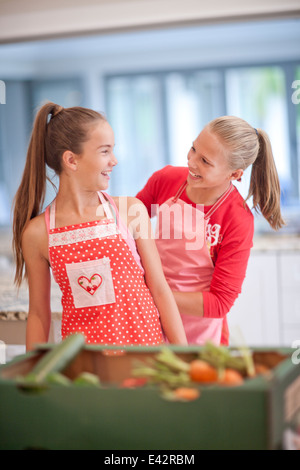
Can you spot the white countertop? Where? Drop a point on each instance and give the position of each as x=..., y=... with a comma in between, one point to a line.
x=14, y=302
x=276, y=242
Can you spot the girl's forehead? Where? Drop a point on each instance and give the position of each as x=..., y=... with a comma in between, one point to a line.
x=100, y=131
x=210, y=145
x=209, y=140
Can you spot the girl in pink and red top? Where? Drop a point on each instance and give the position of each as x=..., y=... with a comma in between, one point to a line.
x=107, y=267
x=205, y=229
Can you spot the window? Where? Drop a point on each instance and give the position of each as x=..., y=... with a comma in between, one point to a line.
x=135, y=110
x=192, y=100
x=257, y=94
x=157, y=116
x=16, y=117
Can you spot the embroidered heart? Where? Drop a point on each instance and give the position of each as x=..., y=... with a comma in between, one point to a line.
x=90, y=285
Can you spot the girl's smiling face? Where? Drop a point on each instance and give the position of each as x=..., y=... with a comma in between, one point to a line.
x=97, y=159
x=208, y=163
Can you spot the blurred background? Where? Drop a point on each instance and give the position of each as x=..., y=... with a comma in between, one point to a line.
x=159, y=71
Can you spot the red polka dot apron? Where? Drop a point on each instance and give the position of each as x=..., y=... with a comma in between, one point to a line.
x=104, y=295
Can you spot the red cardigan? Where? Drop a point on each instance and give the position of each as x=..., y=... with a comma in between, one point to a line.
x=230, y=233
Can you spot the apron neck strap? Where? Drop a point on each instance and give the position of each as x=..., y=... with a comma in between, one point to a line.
x=219, y=202
x=105, y=205
x=52, y=215
x=104, y=202
x=179, y=192
x=214, y=207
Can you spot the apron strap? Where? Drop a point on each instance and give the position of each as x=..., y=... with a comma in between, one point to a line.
x=106, y=206
x=219, y=202
x=50, y=222
x=47, y=221
x=52, y=215
x=214, y=207
x=179, y=192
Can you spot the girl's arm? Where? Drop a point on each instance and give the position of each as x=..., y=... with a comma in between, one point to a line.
x=229, y=272
x=140, y=225
x=35, y=252
x=189, y=303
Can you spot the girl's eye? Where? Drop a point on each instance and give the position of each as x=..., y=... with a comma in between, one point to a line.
x=205, y=161
x=193, y=148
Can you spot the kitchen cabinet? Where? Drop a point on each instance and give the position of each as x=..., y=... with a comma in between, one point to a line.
x=289, y=278
x=267, y=312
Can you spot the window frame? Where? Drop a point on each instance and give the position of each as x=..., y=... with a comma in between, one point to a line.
x=289, y=68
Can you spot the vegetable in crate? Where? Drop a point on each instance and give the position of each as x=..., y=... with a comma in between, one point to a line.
x=87, y=378
x=201, y=371
x=54, y=361
x=215, y=365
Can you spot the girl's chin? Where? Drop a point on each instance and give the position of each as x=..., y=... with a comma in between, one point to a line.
x=102, y=186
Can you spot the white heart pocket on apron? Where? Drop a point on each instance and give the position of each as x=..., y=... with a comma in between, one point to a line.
x=91, y=283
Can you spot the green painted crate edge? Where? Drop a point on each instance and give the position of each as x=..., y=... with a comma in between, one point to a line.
x=115, y=418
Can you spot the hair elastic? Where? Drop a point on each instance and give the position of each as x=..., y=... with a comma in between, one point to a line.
x=54, y=113
x=255, y=131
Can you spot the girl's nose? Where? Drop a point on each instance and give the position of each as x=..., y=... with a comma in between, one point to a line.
x=190, y=156
x=114, y=160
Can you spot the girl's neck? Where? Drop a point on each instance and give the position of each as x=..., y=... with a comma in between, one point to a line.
x=76, y=206
x=206, y=196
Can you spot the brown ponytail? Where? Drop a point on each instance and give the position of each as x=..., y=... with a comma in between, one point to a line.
x=264, y=183
x=55, y=130
x=247, y=146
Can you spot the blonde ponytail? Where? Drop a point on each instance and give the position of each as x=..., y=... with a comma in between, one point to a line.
x=264, y=184
x=248, y=146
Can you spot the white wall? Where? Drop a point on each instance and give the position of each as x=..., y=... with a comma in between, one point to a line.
x=22, y=20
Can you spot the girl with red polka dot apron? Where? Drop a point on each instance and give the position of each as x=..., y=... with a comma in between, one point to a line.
x=104, y=295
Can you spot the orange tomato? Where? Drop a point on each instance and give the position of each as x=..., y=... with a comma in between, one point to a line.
x=231, y=377
x=201, y=371
x=186, y=393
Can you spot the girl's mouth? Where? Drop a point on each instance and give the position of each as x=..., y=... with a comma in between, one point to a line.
x=194, y=176
x=106, y=173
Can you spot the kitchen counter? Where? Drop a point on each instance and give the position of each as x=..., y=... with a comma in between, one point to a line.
x=14, y=306
x=276, y=242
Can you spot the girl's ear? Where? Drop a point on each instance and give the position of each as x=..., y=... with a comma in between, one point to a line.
x=237, y=175
x=69, y=160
